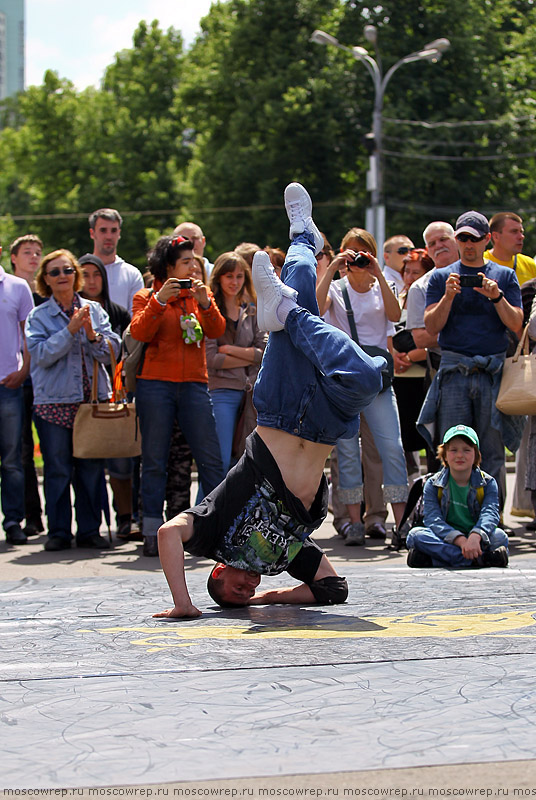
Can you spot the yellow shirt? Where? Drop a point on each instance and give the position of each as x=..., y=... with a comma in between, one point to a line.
x=525, y=267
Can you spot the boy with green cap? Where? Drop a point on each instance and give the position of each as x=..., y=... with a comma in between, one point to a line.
x=461, y=511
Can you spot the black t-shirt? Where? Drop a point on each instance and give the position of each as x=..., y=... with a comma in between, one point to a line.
x=251, y=521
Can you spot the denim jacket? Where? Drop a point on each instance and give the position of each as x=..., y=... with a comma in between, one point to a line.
x=56, y=355
x=485, y=516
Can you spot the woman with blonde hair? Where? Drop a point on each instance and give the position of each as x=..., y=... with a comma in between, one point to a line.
x=234, y=359
x=64, y=335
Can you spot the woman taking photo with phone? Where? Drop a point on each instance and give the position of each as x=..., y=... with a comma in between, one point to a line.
x=173, y=319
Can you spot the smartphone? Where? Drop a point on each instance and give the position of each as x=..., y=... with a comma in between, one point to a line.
x=185, y=284
x=471, y=280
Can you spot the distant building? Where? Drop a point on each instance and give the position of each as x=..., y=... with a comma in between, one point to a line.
x=11, y=47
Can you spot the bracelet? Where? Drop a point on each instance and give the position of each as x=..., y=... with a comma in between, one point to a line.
x=497, y=299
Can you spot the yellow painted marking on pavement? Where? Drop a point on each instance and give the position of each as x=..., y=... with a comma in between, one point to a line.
x=437, y=624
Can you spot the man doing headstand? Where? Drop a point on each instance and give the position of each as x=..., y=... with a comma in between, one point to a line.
x=314, y=381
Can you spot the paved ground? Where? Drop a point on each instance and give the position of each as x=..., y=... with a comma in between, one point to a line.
x=421, y=684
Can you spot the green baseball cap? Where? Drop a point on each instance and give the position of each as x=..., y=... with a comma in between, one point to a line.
x=461, y=430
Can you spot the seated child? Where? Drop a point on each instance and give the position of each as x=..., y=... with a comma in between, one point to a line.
x=461, y=511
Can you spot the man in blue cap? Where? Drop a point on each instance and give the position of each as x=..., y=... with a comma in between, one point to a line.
x=470, y=305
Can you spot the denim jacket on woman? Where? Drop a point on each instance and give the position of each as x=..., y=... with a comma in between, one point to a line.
x=485, y=515
x=56, y=355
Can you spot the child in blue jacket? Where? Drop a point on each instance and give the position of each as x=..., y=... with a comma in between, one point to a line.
x=461, y=511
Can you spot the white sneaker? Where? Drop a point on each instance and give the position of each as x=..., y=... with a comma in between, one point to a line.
x=270, y=292
x=299, y=209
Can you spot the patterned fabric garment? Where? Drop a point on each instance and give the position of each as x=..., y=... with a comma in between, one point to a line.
x=63, y=414
x=264, y=537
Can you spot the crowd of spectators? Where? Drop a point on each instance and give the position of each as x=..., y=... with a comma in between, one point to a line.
x=446, y=335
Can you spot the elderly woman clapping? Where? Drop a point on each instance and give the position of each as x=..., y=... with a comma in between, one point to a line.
x=64, y=335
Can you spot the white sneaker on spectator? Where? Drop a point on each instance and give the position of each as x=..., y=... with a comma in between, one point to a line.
x=274, y=298
x=299, y=210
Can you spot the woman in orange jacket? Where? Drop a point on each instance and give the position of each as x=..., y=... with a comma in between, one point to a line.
x=173, y=319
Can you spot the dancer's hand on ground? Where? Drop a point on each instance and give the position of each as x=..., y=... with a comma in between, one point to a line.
x=187, y=611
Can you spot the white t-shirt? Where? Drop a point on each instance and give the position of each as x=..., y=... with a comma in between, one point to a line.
x=371, y=322
x=124, y=280
x=16, y=302
x=395, y=277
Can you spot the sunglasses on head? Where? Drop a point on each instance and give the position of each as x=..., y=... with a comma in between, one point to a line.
x=402, y=251
x=57, y=271
x=467, y=237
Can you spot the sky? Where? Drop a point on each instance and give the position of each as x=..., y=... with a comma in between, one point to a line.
x=79, y=44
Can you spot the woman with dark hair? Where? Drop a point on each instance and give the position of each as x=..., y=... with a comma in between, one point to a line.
x=64, y=335
x=173, y=319
x=234, y=359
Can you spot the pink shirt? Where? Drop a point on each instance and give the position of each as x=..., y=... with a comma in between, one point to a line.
x=16, y=302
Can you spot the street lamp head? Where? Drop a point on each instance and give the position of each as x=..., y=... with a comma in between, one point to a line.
x=371, y=33
x=320, y=37
x=430, y=54
x=359, y=53
x=438, y=44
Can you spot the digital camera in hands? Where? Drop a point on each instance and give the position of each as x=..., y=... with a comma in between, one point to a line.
x=361, y=261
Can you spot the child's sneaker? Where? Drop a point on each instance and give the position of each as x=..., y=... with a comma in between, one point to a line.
x=417, y=559
x=495, y=558
x=273, y=295
x=299, y=210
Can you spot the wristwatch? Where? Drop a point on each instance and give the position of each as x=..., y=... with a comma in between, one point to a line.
x=97, y=338
x=499, y=298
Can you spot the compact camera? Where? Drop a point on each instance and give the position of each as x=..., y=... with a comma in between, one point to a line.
x=359, y=261
x=185, y=284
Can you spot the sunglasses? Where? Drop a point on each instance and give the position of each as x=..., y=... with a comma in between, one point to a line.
x=53, y=273
x=402, y=251
x=467, y=237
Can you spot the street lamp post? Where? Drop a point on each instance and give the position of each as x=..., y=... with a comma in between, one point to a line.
x=375, y=219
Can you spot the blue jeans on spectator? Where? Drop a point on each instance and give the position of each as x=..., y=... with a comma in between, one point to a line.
x=382, y=418
x=159, y=403
x=444, y=554
x=468, y=400
x=11, y=469
x=314, y=380
x=60, y=470
x=226, y=403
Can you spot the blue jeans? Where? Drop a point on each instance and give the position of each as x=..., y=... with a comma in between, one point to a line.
x=60, y=470
x=468, y=400
x=159, y=404
x=11, y=469
x=382, y=418
x=226, y=403
x=314, y=380
x=444, y=554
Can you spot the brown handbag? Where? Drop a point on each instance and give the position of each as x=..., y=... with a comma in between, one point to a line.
x=517, y=392
x=106, y=430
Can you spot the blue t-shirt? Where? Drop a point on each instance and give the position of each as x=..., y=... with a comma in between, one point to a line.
x=474, y=327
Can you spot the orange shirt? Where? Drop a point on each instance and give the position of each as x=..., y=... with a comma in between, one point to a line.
x=168, y=357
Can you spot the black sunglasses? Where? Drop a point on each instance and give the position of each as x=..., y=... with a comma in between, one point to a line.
x=467, y=237
x=402, y=251
x=57, y=271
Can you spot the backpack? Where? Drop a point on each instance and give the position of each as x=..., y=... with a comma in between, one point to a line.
x=132, y=358
x=413, y=516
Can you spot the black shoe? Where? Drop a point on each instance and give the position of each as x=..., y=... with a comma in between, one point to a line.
x=150, y=546
x=95, y=542
x=123, y=530
x=418, y=560
x=57, y=543
x=530, y=526
x=495, y=558
x=33, y=527
x=15, y=535
x=376, y=531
